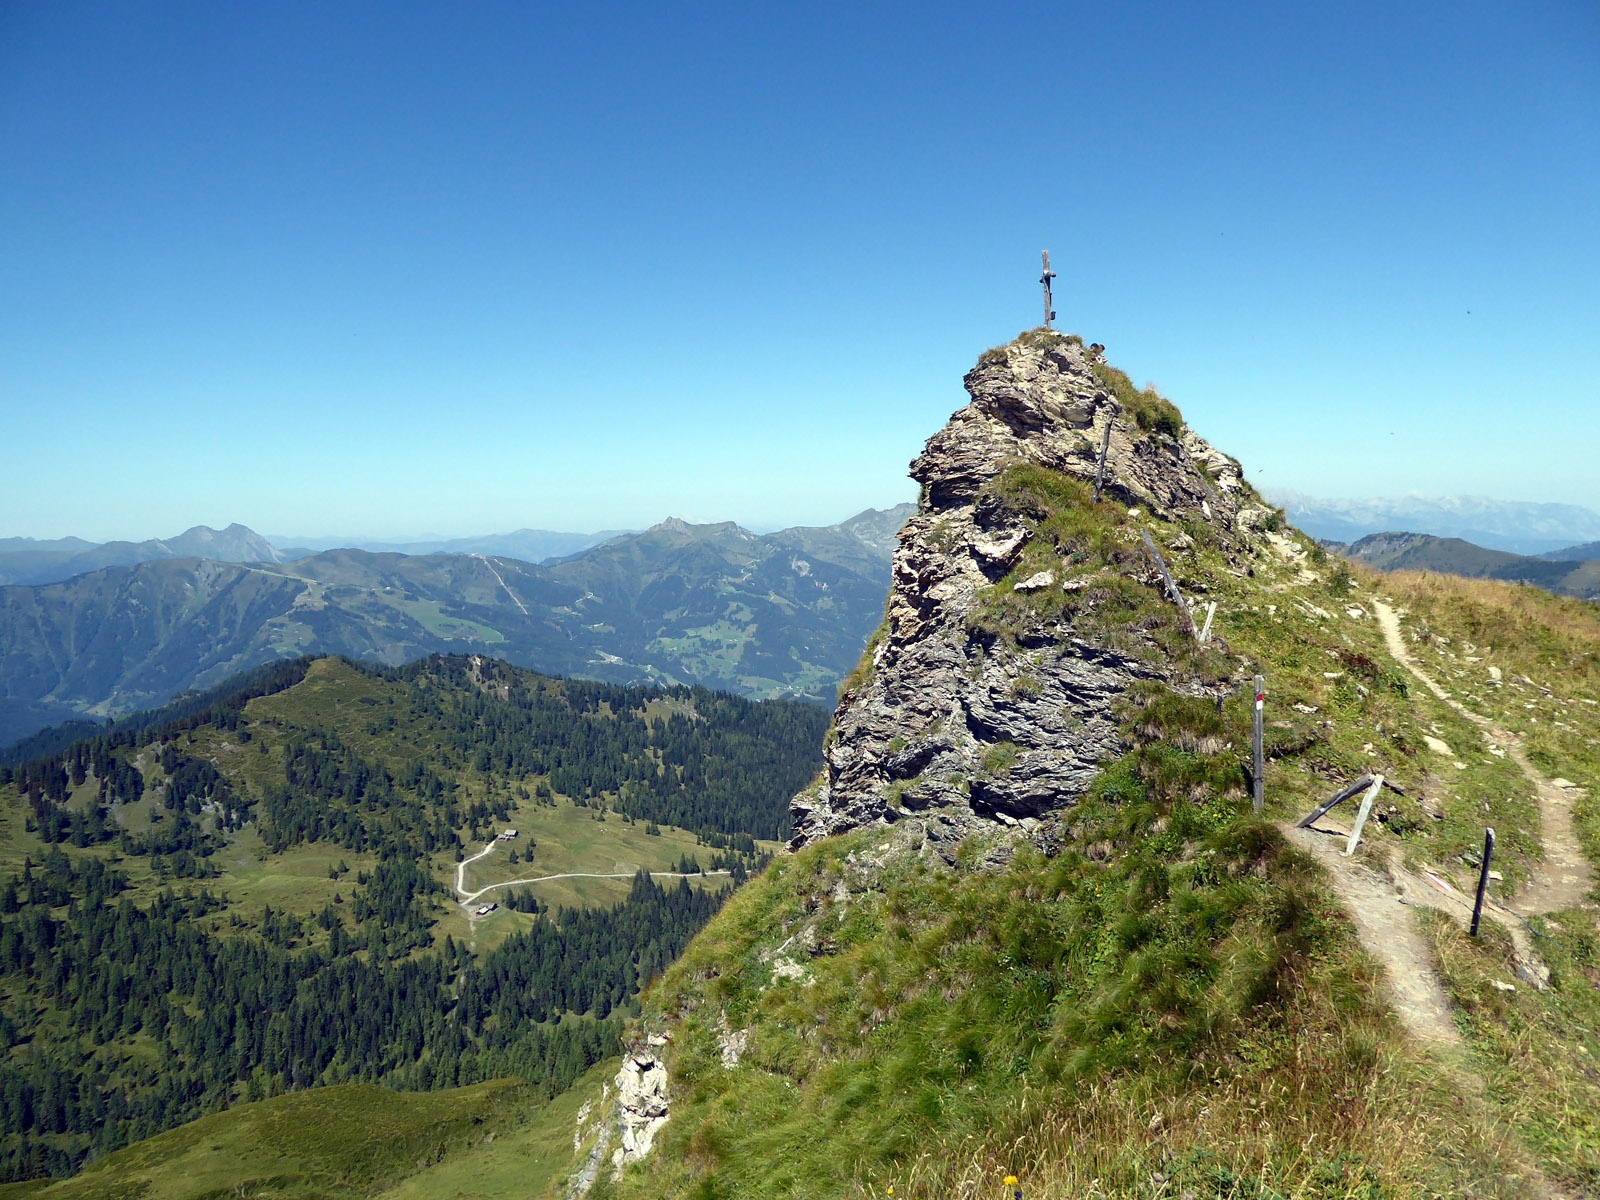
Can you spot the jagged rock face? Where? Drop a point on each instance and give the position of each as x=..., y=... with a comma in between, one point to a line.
x=958, y=732
x=641, y=1106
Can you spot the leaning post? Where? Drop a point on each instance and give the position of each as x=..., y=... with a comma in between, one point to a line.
x=1100, y=470
x=1483, y=878
x=1258, y=767
x=1361, y=817
x=1170, y=585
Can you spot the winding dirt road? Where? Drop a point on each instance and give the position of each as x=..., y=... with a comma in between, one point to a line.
x=467, y=899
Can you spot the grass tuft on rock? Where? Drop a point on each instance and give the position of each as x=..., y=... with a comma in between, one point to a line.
x=1151, y=411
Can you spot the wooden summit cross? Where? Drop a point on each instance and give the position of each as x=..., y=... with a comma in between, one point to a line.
x=1049, y=313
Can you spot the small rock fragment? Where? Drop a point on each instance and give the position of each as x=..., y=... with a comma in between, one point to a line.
x=1036, y=582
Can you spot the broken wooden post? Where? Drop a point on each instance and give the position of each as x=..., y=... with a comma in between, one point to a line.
x=1211, y=611
x=1258, y=755
x=1171, y=586
x=1483, y=877
x=1361, y=817
x=1100, y=471
x=1339, y=797
x=1049, y=312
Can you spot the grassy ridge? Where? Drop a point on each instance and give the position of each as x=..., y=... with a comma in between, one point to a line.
x=347, y=1141
x=1170, y=1004
x=1189, y=1007
x=1531, y=663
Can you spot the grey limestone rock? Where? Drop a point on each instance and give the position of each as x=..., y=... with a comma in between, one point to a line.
x=641, y=1106
x=964, y=732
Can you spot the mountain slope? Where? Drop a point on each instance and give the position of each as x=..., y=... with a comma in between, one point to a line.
x=783, y=614
x=1575, y=553
x=274, y=891
x=1453, y=556
x=1033, y=925
x=25, y=561
x=1043, y=934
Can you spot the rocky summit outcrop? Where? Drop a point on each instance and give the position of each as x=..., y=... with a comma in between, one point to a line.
x=950, y=727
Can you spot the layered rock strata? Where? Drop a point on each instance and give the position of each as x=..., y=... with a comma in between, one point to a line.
x=957, y=730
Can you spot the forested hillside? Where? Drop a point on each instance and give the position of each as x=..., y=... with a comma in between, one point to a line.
x=283, y=888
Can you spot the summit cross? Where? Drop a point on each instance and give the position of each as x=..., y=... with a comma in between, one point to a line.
x=1049, y=313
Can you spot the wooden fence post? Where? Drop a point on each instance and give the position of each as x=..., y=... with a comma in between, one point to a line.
x=1100, y=471
x=1339, y=797
x=1171, y=585
x=1258, y=761
x=1361, y=817
x=1483, y=877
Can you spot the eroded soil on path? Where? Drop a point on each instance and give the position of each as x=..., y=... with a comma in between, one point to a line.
x=1388, y=931
x=1380, y=895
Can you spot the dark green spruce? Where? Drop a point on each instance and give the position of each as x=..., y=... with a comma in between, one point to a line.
x=130, y=1009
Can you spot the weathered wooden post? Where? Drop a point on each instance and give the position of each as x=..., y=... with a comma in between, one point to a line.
x=1483, y=877
x=1339, y=797
x=1258, y=767
x=1211, y=612
x=1100, y=470
x=1049, y=311
x=1170, y=585
x=1361, y=817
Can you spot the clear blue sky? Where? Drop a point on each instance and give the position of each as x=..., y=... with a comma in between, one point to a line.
x=394, y=268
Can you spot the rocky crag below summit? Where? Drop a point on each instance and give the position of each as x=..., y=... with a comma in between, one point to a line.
x=989, y=693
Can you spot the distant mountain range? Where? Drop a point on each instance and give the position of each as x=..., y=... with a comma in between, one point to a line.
x=33, y=561
x=530, y=545
x=1517, y=526
x=1575, y=553
x=1454, y=556
x=36, y=561
x=784, y=614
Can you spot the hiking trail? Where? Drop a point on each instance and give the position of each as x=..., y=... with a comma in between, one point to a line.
x=1562, y=878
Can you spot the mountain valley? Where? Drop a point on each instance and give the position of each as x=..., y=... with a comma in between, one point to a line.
x=423, y=876
x=1033, y=926
x=783, y=614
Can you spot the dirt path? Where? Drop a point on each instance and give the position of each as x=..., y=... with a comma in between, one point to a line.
x=468, y=898
x=1381, y=904
x=1388, y=932
x=1561, y=879
x=461, y=868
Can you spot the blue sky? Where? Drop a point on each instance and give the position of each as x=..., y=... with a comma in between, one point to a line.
x=402, y=268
